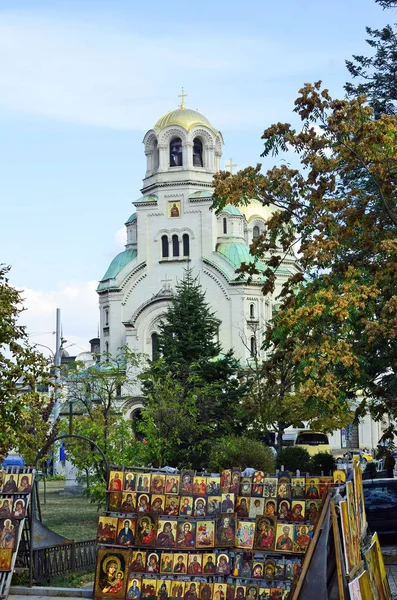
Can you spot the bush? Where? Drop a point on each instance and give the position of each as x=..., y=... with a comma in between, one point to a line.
x=241, y=451
x=294, y=458
x=323, y=461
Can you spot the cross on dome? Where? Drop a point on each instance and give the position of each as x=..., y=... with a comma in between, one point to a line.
x=183, y=96
x=230, y=166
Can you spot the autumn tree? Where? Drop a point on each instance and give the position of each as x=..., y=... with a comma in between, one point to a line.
x=25, y=377
x=340, y=206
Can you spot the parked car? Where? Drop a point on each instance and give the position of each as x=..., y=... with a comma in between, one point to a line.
x=380, y=496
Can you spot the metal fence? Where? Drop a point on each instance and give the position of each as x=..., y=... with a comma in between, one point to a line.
x=63, y=559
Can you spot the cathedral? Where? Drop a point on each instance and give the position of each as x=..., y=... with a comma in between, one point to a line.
x=172, y=228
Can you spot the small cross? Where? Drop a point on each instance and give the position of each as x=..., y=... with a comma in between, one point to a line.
x=166, y=282
x=183, y=96
x=230, y=166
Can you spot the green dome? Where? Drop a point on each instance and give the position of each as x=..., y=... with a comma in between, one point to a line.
x=236, y=254
x=119, y=262
x=131, y=219
x=230, y=209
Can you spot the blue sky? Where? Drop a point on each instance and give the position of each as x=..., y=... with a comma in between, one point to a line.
x=81, y=81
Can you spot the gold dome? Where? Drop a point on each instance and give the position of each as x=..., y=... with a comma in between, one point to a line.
x=184, y=117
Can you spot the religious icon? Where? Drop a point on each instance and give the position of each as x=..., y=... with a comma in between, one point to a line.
x=137, y=562
x=270, y=487
x=153, y=562
x=180, y=563
x=115, y=482
x=223, y=566
x=325, y=484
x=166, y=563
x=128, y=502
x=186, y=506
x=235, y=483
x=209, y=564
x=133, y=588
x=5, y=559
x=264, y=591
x=205, y=534
x=19, y=509
x=289, y=568
x=269, y=568
x=200, y=505
x=157, y=504
x=245, y=531
x=126, y=532
x=339, y=477
x=8, y=533
x=186, y=486
x=110, y=580
x=143, y=482
x=114, y=501
x=25, y=483
x=298, y=487
x=192, y=590
x=199, y=486
x=302, y=536
x=245, y=486
x=225, y=529
x=2, y=476
x=252, y=592
x=214, y=505
x=277, y=593
x=177, y=589
x=220, y=591
x=257, y=507
x=226, y=480
x=149, y=589
x=172, y=484
x=186, y=534
x=206, y=591
x=146, y=530
x=242, y=507
x=284, y=510
x=143, y=503
x=166, y=533
x=313, y=489
x=194, y=566
x=257, y=484
x=264, y=533
x=10, y=485
x=106, y=530
x=174, y=208
x=214, y=486
x=270, y=508
x=297, y=510
x=284, y=487
x=5, y=507
x=284, y=535
x=312, y=510
x=257, y=569
x=172, y=506
x=227, y=505
x=240, y=592
x=157, y=485
x=163, y=589
x=246, y=566
x=129, y=481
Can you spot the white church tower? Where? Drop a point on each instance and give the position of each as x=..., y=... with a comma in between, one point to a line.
x=172, y=228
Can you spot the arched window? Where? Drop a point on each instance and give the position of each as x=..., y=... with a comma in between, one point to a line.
x=155, y=156
x=185, y=240
x=197, y=153
x=136, y=418
x=176, y=152
x=224, y=225
x=107, y=351
x=252, y=311
x=164, y=246
x=255, y=233
x=155, y=346
x=253, y=346
x=175, y=245
x=106, y=317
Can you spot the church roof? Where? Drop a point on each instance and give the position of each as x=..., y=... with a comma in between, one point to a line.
x=131, y=219
x=201, y=194
x=119, y=262
x=185, y=117
x=236, y=253
x=232, y=210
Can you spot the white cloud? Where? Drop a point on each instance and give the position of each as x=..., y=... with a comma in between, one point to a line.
x=120, y=239
x=78, y=302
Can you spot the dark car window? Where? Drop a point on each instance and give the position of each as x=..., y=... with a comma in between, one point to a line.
x=381, y=496
x=312, y=439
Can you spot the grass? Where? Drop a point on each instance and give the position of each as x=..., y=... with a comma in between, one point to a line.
x=71, y=516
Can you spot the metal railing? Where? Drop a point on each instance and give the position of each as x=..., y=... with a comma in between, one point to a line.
x=63, y=559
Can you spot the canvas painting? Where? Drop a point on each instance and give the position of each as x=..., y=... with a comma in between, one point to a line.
x=180, y=563
x=149, y=588
x=114, y=501
x=382, y=569
x=8, y=533
x=194, y=564
x=19, y=509
x=214, y=505
x=235, y=483
x=257, y=569
x=166, y=563
x=107, y=530
x=284, y=537
x=146, y=530
x=172, y=484
x=284, y=487
x=5, y=507
x=264, y=533
x=115, y=481
x=354, y=590
x=313, y=489
x=143, y=482
x=10, y=485
x=359, y=497
x=158, y=503
x=351, y=511
x=257, y=507
x=252, y=592
x=302, y=536
x=312, y=511
x=166, y=533
x=126, y=532
x=297, y=510
x=205, y=534
x=346, y=536
x=110, y=579
x=245, y=486
x=223, y=566
x=129, y=481
x=220, y=591
x=143, y=503
x=163, y=589
x=226, y=480
x=200, y=506
x=157, y=485
x=257, y=484
x=199, y=486
x=284, y=510
x=128, y=502
x=280, y=568
x=225, y=530
x=269, y=571
x=227, y=505
x=25, y=483
x=153, y=562
x=174, y=208
x=339, y=477
x=186, y=534
x=171, y=507
x=133, y=588
x=186, y=487
x=240, y=592
x=186, y=506
x=270, y=507
x=192, y=590
x=2, y=477
x=245, y=531
x=242, y=507
x=214, y=486
x=209, y=563
x=206, y=591
x=270, y=487
x=177, y=589
x=137, y=562
x=298, y=489
x=365, y=587
x=5, y=559
x=325, y=484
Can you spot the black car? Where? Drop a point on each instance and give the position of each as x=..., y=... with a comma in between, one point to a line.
x=380, y=497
